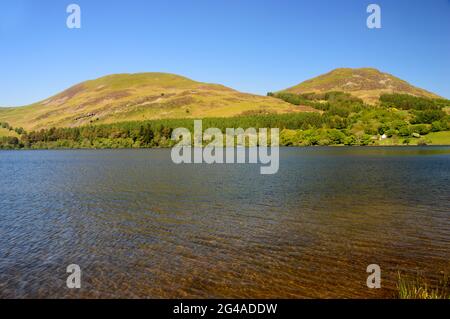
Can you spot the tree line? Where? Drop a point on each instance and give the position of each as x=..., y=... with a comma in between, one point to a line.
x=344, y=119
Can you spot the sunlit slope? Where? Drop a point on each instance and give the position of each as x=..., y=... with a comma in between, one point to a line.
x=365, y=83
x=6, y=132
x=144, y=96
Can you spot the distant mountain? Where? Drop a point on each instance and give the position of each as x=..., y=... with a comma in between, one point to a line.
x=365, y=83
x=143, y=96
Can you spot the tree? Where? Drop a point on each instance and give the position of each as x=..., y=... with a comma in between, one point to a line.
x=428, y=116
x=147, y=134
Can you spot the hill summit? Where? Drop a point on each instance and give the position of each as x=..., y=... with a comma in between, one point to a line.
x=138, y=97
x=365, y=83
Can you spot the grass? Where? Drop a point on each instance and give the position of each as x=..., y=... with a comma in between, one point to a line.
x=137, y=97
x=439, y=138
x=447, y=110
x=5, y=132
x=419, y=288
x=434, y=138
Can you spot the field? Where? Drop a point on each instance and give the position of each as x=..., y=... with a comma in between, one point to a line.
x=433, y=138
x=439, y=138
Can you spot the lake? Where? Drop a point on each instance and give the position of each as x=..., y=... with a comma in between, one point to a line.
x=140, y=226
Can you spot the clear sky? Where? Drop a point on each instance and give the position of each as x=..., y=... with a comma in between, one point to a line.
x=251, y=45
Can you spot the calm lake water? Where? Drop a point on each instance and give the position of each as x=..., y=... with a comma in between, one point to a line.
x=142, y=227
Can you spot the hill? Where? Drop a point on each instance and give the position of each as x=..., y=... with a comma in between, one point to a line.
x=138, y=97
x=365, y=83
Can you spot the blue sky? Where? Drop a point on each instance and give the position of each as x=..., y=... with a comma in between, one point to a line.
x=251, y=45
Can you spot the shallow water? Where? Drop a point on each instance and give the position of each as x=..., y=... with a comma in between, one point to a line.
x=140, y=226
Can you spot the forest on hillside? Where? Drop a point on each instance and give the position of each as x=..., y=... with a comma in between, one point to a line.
x=343, y=120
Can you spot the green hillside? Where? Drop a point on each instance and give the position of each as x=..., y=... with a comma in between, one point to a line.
x=139, y=97
x=366, y=83
x=142, y=110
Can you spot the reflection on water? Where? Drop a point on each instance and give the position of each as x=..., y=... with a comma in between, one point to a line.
x=140, y=226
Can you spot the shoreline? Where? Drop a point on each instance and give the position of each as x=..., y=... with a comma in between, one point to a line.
x=246, y=147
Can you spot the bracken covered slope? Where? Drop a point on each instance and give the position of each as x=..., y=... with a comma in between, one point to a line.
x=136, y=97
x=365, y=83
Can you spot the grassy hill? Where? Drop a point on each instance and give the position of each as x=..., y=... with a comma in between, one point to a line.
x=365, y=83
x=139, y=97
x=142, y=110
